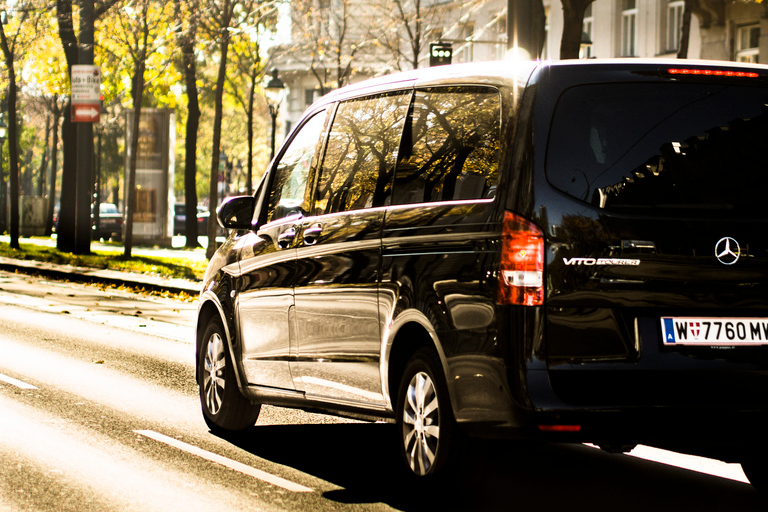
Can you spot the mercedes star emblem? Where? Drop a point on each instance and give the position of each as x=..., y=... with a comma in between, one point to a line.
x=727, y=251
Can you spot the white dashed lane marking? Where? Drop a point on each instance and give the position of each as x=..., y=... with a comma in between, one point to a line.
x=229, y=463
x=16, y=382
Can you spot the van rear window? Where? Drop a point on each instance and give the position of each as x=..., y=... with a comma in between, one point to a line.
x=666, y=149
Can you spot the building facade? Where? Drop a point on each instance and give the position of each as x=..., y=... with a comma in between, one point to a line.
x=363, y=39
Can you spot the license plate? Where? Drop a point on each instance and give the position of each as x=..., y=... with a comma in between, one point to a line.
x=714, y=331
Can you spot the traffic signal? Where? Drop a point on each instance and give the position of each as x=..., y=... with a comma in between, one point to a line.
x=440, y=54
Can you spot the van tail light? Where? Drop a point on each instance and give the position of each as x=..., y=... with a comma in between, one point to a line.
x=560, y=428
x=522, y=262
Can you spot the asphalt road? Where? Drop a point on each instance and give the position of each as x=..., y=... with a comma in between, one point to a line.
x=99, y=411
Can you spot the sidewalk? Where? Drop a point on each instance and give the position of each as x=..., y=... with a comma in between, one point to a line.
x=113, y=277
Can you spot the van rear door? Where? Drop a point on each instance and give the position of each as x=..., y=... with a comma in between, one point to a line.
x=658, y=280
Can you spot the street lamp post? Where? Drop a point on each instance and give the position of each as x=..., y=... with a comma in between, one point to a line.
x=275, y=90
x=3, y=188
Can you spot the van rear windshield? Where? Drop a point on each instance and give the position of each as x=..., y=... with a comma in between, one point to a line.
x=666, y=149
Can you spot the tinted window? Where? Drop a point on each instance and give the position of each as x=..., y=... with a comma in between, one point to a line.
x=665, y=149
x=450, y=147
x=289, y=193
x=360, y=156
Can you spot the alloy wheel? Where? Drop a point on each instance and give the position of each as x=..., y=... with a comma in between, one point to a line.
x=213, y=374
x=421, y=423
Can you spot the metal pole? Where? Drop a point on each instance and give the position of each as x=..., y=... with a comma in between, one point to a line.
x=273, y=113
x=97, y=191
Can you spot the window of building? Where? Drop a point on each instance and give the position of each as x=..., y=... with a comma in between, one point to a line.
x=310, y=95
x=360, y=157
x=628, y=28
x=450, y=146
x=674, y=24
x=747, y=43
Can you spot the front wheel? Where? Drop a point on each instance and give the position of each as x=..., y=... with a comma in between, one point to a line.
x=424, y=418
x=225, y=409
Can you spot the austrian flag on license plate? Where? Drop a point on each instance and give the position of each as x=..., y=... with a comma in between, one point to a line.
x=714, y=331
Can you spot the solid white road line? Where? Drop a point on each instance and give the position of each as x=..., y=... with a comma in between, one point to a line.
x=691, y=463
x=229, y=463
x=16, y=382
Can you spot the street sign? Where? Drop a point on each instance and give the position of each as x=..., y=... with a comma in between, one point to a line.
x=440, y=53
x=86, y=93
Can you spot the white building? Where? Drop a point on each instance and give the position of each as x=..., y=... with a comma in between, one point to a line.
x=720, y=29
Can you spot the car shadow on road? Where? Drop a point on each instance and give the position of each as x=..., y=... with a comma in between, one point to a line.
x=363, y=460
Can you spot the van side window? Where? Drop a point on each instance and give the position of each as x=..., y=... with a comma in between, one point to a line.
x=289, y=193
x=360, y=157
x=450, y=147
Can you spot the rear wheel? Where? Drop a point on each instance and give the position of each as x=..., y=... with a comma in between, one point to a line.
x=224, y=407
x=425, y=421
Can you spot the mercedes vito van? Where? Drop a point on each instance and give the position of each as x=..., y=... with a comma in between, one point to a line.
x=571, y=251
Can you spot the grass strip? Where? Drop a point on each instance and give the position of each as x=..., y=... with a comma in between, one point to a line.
x=166, y=267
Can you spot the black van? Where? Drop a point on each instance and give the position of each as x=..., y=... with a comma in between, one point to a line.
x=573, y=251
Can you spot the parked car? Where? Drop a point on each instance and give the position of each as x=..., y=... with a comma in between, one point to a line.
x=202, y=224
x=180, y=221
x=565, y=251
x=110, y=223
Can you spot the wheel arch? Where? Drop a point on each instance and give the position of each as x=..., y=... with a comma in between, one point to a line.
x=410, y=332
x=210, y=309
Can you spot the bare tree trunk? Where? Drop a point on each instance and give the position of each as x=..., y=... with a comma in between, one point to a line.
x=130, y=200
x=685, y=30
x=214, y=182
x=65, y=231
x=188, y=63
x=52, y=175
x=41, y=175
x=573, y=26
x=13, y=139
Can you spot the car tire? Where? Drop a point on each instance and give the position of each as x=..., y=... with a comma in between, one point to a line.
x=425, y=423
x=756, y=471
x=225, y=409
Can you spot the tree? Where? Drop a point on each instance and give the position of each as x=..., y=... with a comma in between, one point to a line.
x=327, y=39
x=141, y=29
x=414, y=22
x=186, y=37
x=48, y=84
x=244, y=83
x=224, y=17
x=13, y=45
x=66, y=22
x=573, y=26
x=685, y=30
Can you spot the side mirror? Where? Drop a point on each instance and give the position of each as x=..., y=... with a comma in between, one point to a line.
x=236, y=212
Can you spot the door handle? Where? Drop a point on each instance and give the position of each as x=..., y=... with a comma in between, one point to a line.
x=286, y=238
x=312, y=234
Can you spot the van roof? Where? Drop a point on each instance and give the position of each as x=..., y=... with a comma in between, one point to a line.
x=507, y=72
x=490, y=72
x=510, y=73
